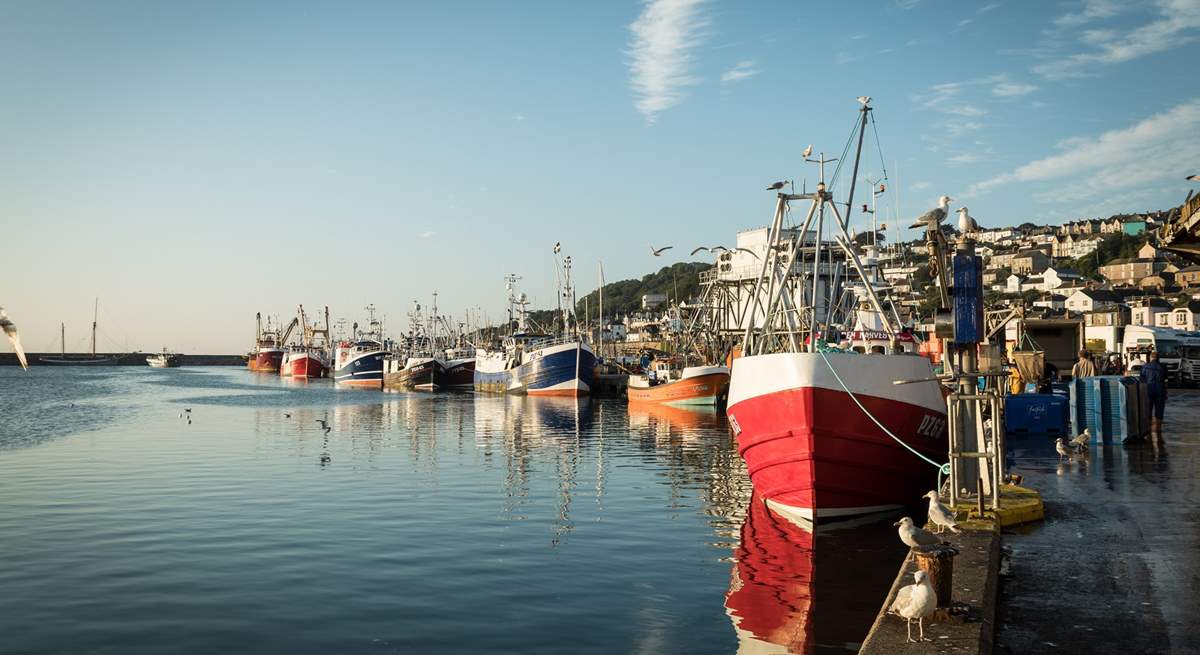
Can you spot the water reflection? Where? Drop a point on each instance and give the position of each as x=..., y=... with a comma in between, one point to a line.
x=793, y=590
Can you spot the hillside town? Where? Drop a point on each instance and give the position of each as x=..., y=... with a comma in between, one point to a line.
x=1086, y=282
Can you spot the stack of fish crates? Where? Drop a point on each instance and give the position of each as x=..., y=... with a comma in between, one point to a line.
x=1113, y=408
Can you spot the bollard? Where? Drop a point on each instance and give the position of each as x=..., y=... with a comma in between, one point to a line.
x=938, y=562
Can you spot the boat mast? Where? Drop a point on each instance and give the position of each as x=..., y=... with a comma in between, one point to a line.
x=95, y=315
x=64, y=340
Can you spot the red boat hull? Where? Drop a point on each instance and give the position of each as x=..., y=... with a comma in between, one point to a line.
x=812, y=452
x=303, y=366
x=267, y=361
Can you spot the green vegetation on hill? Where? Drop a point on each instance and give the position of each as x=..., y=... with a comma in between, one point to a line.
x=678, y=282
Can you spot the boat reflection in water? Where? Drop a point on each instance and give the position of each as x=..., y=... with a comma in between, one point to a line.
x=784, y=573
x=667, y=423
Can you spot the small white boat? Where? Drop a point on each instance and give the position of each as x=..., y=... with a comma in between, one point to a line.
x=165, y=359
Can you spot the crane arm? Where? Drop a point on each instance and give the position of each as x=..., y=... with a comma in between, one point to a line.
x=288, y=332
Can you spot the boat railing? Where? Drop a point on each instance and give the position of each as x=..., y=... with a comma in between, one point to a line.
x=550, y=341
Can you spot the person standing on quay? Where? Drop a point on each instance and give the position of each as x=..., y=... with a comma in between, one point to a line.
x=1084, y=368
x=1154, y=374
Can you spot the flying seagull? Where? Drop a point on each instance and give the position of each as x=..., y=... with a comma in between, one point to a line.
x=777, y=186
x=912, y=536
x=807, y=151
x=935, y=216
x=940, y=514
x=747, y=251
x=710, y=249
x=915, y=601
x=557, y=247
x=966, y=224
x=1194, y=178
x=11, y=331
x=657, y=252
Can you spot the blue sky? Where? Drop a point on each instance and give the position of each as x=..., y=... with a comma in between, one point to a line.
x=191, y=164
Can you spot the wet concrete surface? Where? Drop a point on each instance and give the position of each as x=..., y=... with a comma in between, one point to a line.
x=1115, y=567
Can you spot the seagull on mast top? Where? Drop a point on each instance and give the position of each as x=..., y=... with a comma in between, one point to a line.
x=864, y=100
x=966, y=224
x=657, y=252
x=935, y=216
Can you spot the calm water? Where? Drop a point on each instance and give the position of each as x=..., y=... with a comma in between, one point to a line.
x=419, y=523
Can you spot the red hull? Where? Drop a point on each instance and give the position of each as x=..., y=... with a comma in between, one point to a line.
x=267, y=362
x=304, y=366
x=835, y=460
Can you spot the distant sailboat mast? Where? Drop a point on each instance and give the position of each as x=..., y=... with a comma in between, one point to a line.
x=95, y=315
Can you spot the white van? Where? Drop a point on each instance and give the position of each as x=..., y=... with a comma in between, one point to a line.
x=1139, y=341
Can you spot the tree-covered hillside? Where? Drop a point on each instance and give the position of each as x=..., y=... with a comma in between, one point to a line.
x=678, y=281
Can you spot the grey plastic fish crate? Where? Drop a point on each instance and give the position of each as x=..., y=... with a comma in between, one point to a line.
x=1115, y=409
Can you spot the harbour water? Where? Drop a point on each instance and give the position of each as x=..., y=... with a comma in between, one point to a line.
x=417, y=523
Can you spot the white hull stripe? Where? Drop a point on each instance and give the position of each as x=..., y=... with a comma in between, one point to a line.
x=869, y=375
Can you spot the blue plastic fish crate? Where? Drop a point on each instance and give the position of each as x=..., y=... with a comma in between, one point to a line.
x=1036, y=414
x=1110, y=406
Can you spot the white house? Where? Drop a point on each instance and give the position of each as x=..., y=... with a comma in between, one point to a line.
x=1185, y=316
x=1145, y=310
x=1052, y=301
x=1056, y=277
x=1089, y=300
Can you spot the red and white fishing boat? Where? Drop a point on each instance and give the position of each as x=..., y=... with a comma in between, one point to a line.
x=310, y=357
x=829, y=434
x=267, y=355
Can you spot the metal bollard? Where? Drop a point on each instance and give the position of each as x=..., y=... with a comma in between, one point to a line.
x=938, y=562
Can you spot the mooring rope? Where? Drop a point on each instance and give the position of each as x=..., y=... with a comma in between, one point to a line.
x=943, y=469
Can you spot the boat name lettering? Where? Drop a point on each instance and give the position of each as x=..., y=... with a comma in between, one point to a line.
x=931, y=426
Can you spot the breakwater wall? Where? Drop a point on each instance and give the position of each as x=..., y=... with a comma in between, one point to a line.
x=128, y=359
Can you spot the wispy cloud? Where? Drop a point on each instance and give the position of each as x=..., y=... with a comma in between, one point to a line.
x=907, y=4
x=743, y=70
x=1176, y=23
x=518, y=117
x=1012, y=89
x=664, y=36
x=921, y=186
x=427, y=234
x=1116, y=162
x=1090, y=11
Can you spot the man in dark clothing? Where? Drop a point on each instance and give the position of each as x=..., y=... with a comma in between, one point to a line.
x=1154, y=374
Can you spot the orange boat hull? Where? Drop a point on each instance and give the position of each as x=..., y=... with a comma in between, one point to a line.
x=699, y=390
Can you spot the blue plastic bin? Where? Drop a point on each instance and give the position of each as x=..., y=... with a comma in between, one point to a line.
x=1036, y=414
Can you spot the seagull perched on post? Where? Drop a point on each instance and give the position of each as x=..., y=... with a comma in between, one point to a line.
x=912, y=536
x=935, y=216
x=941, y=515
x=966, y=224
x=11, y=331
x=657, y=252
x=777, y=186
x=915, y=601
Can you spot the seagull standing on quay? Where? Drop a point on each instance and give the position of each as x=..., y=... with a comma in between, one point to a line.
x=966, y=224
x=1081, y=440
x=941, y=515
x=915, y=601
x=1061, y=448
x=935, y=216
x=657, y=252
x=11, y=331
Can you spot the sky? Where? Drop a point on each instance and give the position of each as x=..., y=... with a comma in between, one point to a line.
x=190, y=164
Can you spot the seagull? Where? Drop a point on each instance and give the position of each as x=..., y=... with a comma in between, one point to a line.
x=915, y=601
x=657, y=252
x=1082, y=439
x=966, y=224
x=710, y=249
x=1063, y=450
x=940, y=514
x=935, y=216
x=557, y=247
x=11, y=331
x=864, y=100
x=1193, y=178
x=807, y=151
x=187, y=410
x=747, y=251
x=912, y=536
x=287, y=415
x=777, y=186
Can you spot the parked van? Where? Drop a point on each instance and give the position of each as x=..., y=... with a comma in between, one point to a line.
x=1141, y=340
